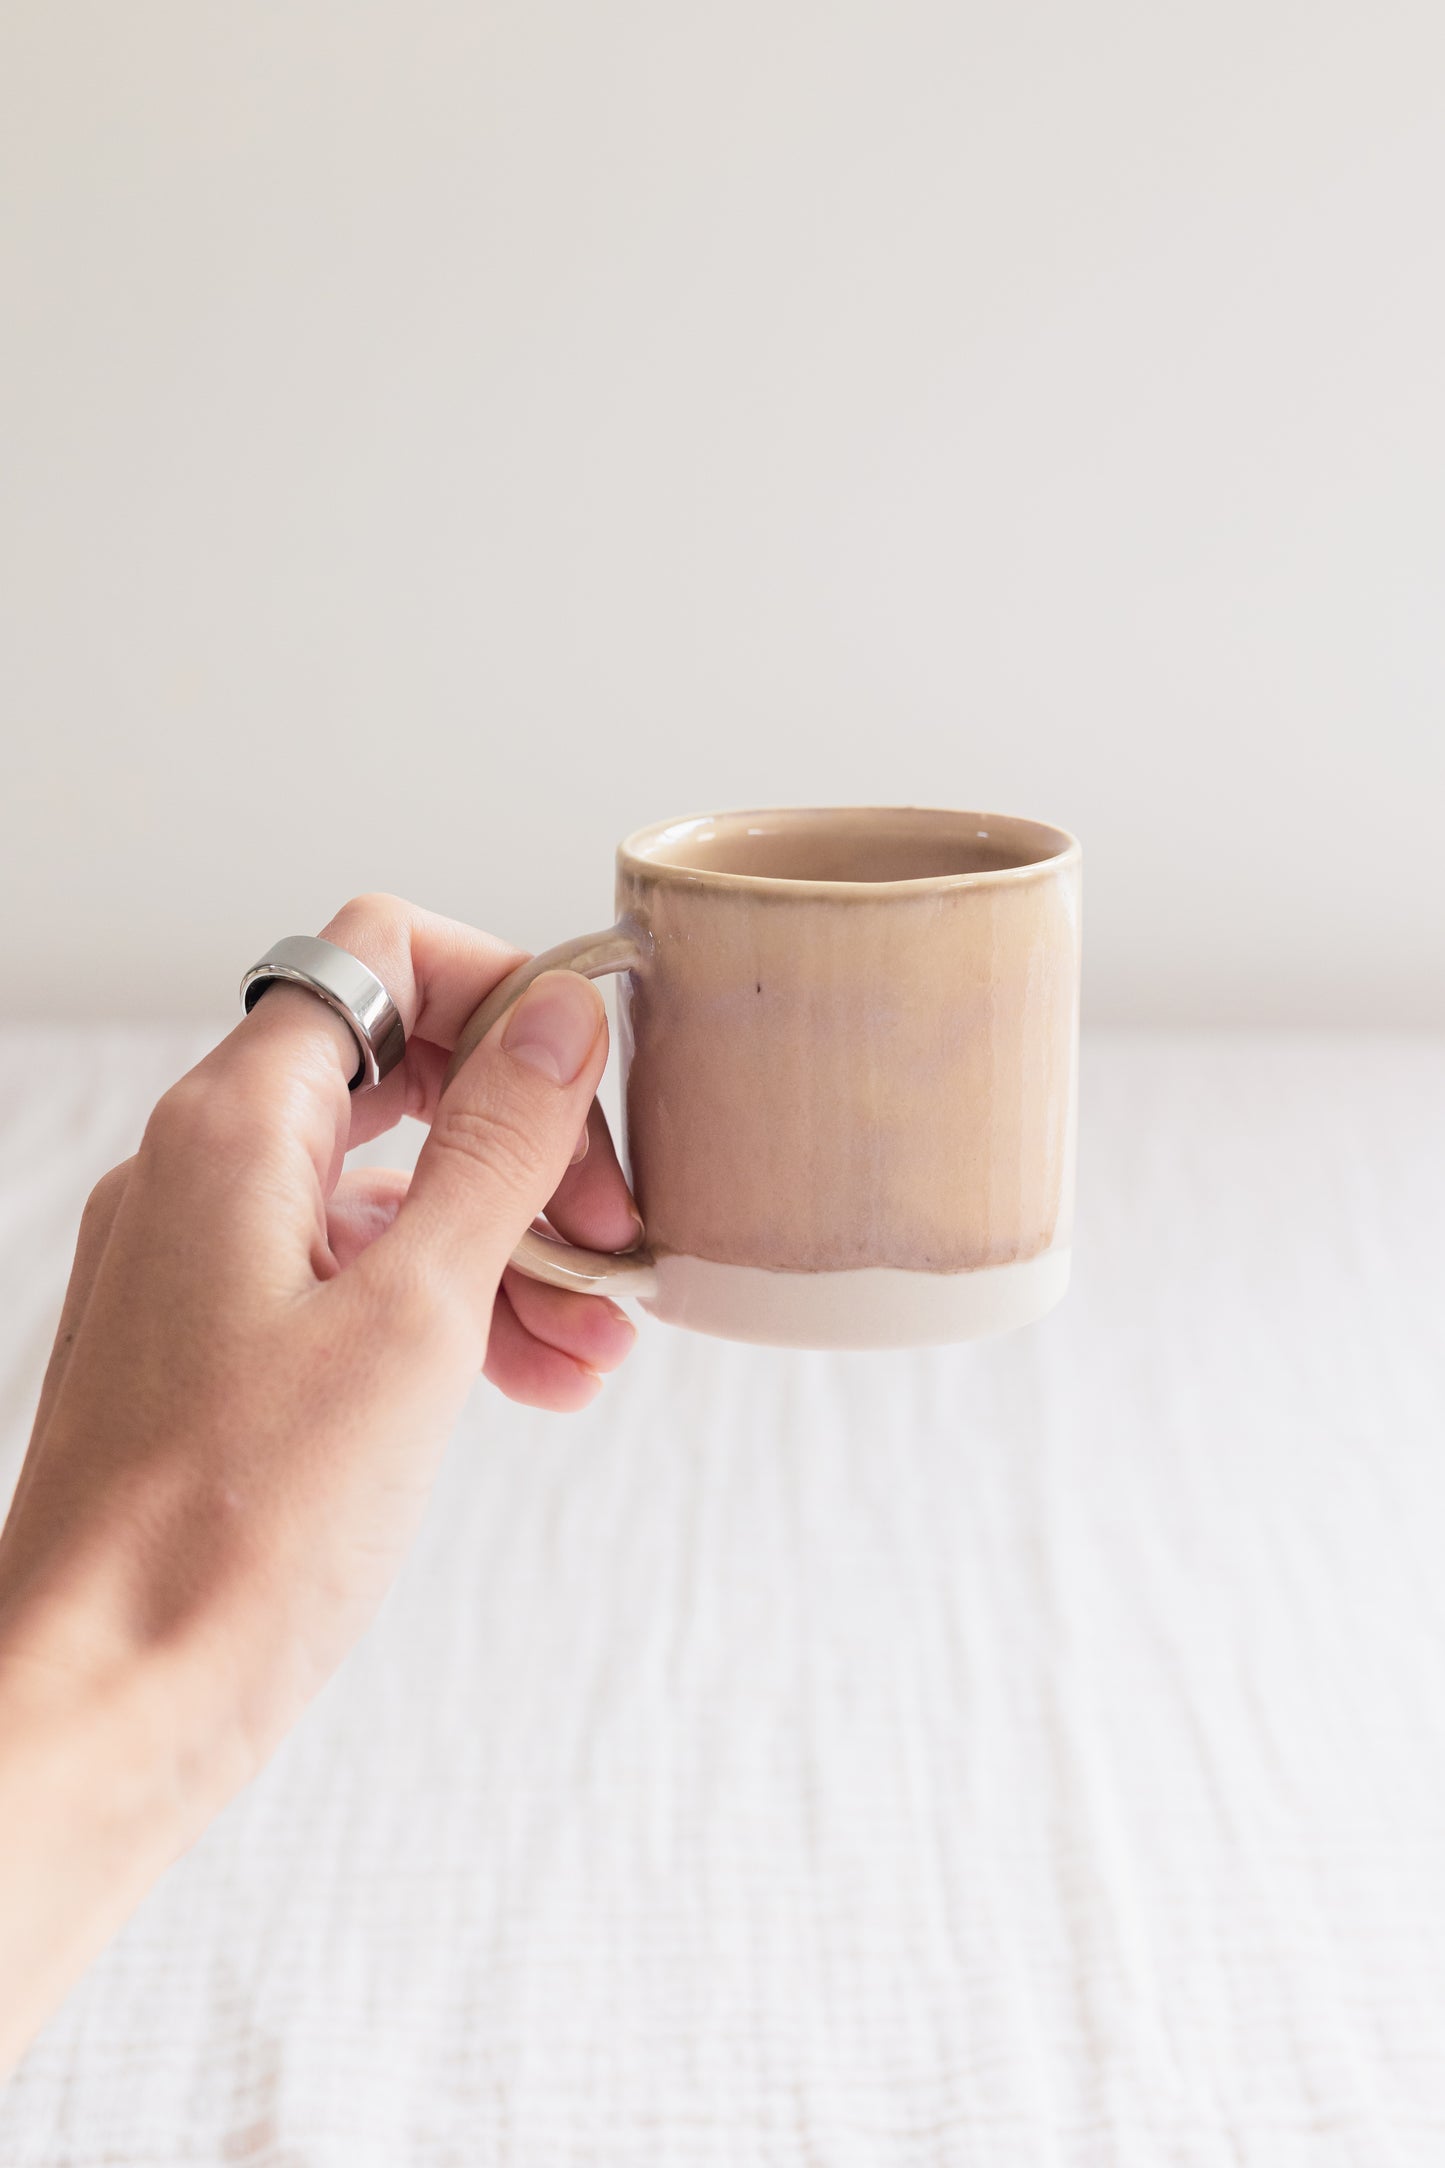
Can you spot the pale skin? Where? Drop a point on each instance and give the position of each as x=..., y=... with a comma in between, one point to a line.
x=258, y=1366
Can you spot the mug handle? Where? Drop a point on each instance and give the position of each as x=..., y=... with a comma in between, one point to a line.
x=546, y=1256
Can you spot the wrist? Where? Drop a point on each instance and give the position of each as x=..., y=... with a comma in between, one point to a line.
x=90, y=1749
x=92, y=1814
x=117, y=1734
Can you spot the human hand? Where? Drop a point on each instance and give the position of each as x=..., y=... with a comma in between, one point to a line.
x=258, y=1366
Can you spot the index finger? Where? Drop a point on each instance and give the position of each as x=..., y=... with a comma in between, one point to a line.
x=436, y=969
x=296, y=1055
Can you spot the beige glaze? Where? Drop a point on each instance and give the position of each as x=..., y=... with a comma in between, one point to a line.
x=850, y=1041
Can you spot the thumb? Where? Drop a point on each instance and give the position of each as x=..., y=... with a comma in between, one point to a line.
x=501, y=1141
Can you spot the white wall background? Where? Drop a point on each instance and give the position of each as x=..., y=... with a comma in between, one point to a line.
x=441, y=434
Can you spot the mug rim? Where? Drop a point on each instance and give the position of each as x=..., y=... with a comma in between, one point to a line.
x=632, y=855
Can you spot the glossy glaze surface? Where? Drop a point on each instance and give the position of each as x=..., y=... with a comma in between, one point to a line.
x=851, y=1043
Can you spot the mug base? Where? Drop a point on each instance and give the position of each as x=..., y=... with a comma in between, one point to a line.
x=875, y=1307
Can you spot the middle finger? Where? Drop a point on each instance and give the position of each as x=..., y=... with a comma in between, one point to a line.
x=592, y=1203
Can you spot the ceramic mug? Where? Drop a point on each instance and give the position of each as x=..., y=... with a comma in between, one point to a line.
x=849, y=1040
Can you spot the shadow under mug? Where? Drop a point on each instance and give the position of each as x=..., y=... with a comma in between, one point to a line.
x=849, y=1039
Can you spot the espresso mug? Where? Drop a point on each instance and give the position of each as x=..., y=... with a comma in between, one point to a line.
x=850, y=1049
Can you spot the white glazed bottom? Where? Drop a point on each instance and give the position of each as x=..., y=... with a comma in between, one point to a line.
x=873, y=1308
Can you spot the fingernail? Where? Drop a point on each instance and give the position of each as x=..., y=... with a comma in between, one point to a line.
x=579, y=1149
x=638, y=1231
x=554, y=1026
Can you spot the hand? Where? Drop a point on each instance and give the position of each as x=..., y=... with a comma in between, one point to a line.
x=259, y=1363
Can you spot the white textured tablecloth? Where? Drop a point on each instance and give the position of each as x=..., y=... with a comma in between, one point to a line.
x=1022, y=1756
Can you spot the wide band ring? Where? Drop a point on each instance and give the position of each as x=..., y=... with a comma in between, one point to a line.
x=345, y=984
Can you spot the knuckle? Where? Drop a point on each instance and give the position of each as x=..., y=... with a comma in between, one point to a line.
x=173, y=1116
x=380, y=929
x=194, y=1117
x=106, y=1194
x=497, y=1143
x=418, y=1304
x=374, y=907
x=415, y=1302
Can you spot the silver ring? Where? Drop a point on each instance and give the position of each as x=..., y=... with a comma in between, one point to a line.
x=343, y=982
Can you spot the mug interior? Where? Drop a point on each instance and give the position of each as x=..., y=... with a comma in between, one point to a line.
x=848, y=845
